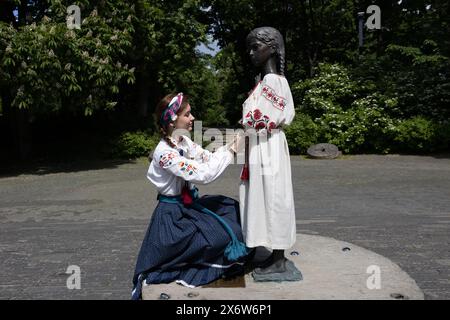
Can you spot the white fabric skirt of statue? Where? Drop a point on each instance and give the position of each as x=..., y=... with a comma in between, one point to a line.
x=266, y=199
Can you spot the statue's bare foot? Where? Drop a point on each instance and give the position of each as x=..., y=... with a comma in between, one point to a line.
x=278, y=266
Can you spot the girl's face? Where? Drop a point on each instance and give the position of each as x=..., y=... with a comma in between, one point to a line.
x=185, y=119
x=259, y=52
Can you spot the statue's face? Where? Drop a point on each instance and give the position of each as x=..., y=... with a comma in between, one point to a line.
x=259, y=52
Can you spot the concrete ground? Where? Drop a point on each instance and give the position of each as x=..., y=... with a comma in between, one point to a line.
x=94, y=216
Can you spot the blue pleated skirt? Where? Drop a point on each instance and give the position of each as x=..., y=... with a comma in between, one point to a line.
x=187, y=246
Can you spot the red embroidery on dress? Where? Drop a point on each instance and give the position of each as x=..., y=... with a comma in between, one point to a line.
x=260, y=125
x=258, y=120
x=257, y=114
x=272, y=125
x=277, y=101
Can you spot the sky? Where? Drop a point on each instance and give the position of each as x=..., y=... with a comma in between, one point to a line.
x=202, y=48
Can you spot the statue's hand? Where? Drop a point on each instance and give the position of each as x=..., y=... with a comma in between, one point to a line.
x=238, y=143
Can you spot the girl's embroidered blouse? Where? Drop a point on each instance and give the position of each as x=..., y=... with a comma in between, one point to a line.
x=171, y=167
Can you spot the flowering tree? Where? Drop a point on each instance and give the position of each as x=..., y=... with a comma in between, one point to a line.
x=121, y=49
x=47, y=66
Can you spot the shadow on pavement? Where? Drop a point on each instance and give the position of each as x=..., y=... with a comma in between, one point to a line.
x=441, y=156
x=42, y=167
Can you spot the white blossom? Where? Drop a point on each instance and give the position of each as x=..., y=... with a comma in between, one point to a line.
x=70, y=34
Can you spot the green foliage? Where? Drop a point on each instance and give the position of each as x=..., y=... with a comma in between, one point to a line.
x=301, y=134
x=354, y=97
x=229, y=78
x=215, y=117
x=339, y=111
x=417, y=78
x=331, y=88
x=91, y=68
x=419, y=134
x=169, y=31
x=134, y=144
x=393, y=94
x=204, y=93
x=358, y=129
x=48, y=67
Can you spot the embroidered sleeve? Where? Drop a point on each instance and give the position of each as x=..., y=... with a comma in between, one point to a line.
x=166, y=158
x=193, y=170
x=271, y=106
x=276, y=100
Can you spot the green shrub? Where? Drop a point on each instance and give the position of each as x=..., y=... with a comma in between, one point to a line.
x=358, y=130
x=216, y=117
x=331, y=88
x=358, y=118
x=301, y=134
x=134, y=144
x=419, y=134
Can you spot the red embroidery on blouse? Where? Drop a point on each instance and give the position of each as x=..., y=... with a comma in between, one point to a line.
x=165, y=159
x=277, y=101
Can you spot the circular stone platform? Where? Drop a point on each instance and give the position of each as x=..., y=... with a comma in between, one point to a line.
x=331, y=269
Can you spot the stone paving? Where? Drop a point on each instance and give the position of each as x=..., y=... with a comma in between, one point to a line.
x=94, y=215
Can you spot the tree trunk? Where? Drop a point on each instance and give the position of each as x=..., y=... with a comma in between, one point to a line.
x=23, y=10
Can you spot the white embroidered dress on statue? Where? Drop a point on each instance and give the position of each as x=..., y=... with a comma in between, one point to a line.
x=266, y=199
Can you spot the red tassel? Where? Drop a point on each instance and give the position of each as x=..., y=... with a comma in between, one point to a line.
x=245, y=173
x=186, y=196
